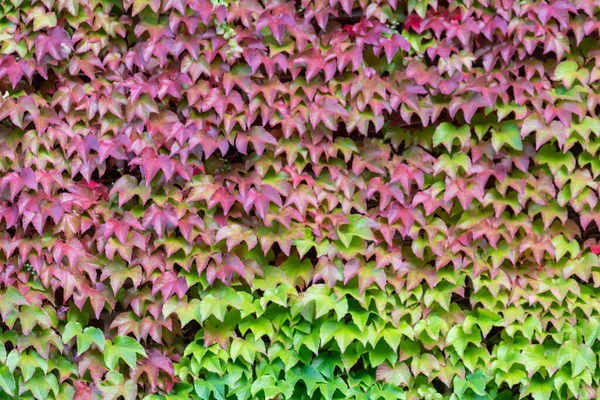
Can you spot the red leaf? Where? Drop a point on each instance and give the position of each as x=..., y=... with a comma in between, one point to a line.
x=57, y=43
x=169, y=283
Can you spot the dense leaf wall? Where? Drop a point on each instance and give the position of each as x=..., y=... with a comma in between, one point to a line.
x=246, y=199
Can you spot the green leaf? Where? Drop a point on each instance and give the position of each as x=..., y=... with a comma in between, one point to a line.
x=420, y=7
x=211, y=305
x=41, y=385
x=3, y=353
x=259, y=326
x=358, y=226
x=425, y=364
x=122, y=347
x=64, y=367
x=7, y=381
x=555, y=159
x=582, y=357
x=10, y=300
x=188, y=312
x=591, y=330
x=71, y=330
x=446, y=134
x=12, y=360
x=568, y=72
x=563, y=246
x=510, y=134
x=342, y=333
x=476, y=382
x=32, y=316
x=247, y=348
x=66, y=392
x=329, y=389
x=307, y=374
x=451, y=164
x=311, y=341
x=139, y=5
x=381, y=353
x=266, y=383
x=297, y=271
x=460, y=339
x=539, y=388
x=42, y=20
x=115, y=386
x=29, y=362
x=487, y=319
x=534, y=358
x=87, y=337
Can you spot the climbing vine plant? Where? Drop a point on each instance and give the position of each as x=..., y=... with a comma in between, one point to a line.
x=251, y=199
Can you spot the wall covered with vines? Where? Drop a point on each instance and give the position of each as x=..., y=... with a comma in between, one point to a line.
x=252, y=199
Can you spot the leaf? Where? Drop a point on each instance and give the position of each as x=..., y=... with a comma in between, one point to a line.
x=398, y=375
x=139, y=5
x=446, y=134
x=127, y=187
x=539, y=388
x=568, y=71
x=582, y=357
x=307, y=374
x=169, y=283
x=161, y=218
x=152, y=367
x=57, y=44
x=72, y=6
x=534, y=358
x=235, y=234
x=7, y=381
x=28, y=363
x=367, y=274
x=342, y=333
x=71, y=330
x=392, y=44
x=460, y=339
x=555, y=159
x=32, y=316
x=9, y=300
x=210, y=305
x=247, y=348
x=261, y=200
x=476, y=382
x=508, y=133
x=328, y=271
x=115, y=386
x=40, y=386
x=358, y=226
x=90, y=335
x=186, y=311
x=119, y=273
x=41, y=19
x=122, y=347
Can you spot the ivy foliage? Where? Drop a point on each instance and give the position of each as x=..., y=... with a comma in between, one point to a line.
x=251, y=199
